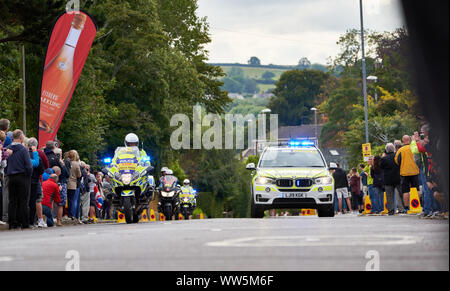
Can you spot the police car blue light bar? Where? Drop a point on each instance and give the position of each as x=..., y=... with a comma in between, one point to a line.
x=301, y=143
x=107, y=161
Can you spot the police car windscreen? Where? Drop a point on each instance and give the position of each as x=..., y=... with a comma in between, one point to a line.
x=292, y=158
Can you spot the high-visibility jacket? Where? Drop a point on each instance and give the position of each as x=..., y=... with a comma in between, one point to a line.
x=187, y=191
x=405, y=159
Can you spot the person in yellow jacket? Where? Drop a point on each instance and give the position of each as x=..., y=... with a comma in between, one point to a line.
x=409, y=172
x=189, y=192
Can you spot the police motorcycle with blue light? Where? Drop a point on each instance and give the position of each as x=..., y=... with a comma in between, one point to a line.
x=187, y=197
x=291, y=175
x=133, y=186
x=168, y=194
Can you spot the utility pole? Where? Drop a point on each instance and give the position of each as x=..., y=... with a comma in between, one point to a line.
x=364, y=72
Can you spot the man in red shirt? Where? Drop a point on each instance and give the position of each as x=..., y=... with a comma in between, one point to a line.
x=50, y=190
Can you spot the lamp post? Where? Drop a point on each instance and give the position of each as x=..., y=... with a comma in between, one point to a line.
x=263, y=136
x=315, y=124
x=364, y=71
x=374, y=79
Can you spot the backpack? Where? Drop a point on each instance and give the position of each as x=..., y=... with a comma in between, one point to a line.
x=53, y=161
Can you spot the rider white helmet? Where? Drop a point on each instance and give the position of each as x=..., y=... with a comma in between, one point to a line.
x=186, y=182
x=131, y=140
x=169, y=172
x=164, y=169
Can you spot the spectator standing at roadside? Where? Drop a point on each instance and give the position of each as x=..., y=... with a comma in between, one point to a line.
x=4, y=127
x=409, y=172
x=92, y=196
x=50, y=189
x=378, y=184
x=36, y=187
x=424, y=165
x=341, y=186
x=355, y=185
x=18, y=170
x=62, y=182
x=39, y=213
x=75, y=174
x=363, y=182
x=107, y=190
x=53, y=159
x=3, y=157
x=391, y=177
x=85, y=195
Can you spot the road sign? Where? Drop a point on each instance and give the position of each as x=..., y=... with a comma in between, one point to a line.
x=367, y=151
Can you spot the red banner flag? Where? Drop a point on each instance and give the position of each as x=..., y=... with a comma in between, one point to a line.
x=69, y=45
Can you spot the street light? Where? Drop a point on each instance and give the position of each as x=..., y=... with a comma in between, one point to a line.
x=374, y=79
x=364, y=73
x=315, y=123
x=264, y=111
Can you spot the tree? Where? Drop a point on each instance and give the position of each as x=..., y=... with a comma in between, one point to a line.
x=268, y=75
x=295, y=95
x=254, y=61
x=303, y=64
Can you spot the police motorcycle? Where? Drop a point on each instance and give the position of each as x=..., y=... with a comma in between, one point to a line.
x=133, y=186
x=168, y=194
x=187, y=200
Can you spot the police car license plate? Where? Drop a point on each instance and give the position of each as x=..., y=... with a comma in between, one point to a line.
x=293, y=195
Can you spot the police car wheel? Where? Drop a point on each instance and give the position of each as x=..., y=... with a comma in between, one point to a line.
x=326, y=211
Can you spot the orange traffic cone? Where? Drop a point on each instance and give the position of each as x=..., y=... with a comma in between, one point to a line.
x=152, y=215
x=180, y=216
x=367, y=205
x=162, y=217
x=120, y=217
x=414, y=202
x=144, y=217
x=385, y=211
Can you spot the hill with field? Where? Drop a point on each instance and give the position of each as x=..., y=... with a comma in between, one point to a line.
x=249, y=79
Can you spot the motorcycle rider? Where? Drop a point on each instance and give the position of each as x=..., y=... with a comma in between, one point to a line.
x=186, y=189
x=163, y=173
x=132, y=140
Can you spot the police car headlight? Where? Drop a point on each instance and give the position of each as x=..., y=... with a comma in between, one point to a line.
x=323, y=181
x=265, y=180
x=126, y=179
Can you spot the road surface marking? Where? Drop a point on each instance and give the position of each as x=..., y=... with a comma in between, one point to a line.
x=317, y=240
x=6, y=259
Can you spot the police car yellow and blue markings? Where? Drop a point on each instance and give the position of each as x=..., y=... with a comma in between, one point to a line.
x=291, y=173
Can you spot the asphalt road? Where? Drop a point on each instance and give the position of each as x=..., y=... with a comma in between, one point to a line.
x=346, y=242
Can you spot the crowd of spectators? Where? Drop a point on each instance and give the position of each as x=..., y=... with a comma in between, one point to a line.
x=45, y=183
x=404, y=165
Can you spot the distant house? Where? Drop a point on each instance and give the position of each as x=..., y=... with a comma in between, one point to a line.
x=235, y=96
x=263, y=95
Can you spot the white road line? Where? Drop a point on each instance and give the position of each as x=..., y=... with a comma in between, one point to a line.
x=317, y=240
x=6, y=259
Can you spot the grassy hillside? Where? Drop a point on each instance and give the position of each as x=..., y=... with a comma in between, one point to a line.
x=256, y=72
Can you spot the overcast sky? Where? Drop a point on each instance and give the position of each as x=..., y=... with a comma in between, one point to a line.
x=282, y=31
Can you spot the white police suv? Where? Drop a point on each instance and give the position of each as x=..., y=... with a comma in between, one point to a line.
x=292, y=175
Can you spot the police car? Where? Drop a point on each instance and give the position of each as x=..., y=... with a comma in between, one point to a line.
x=292, y=175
